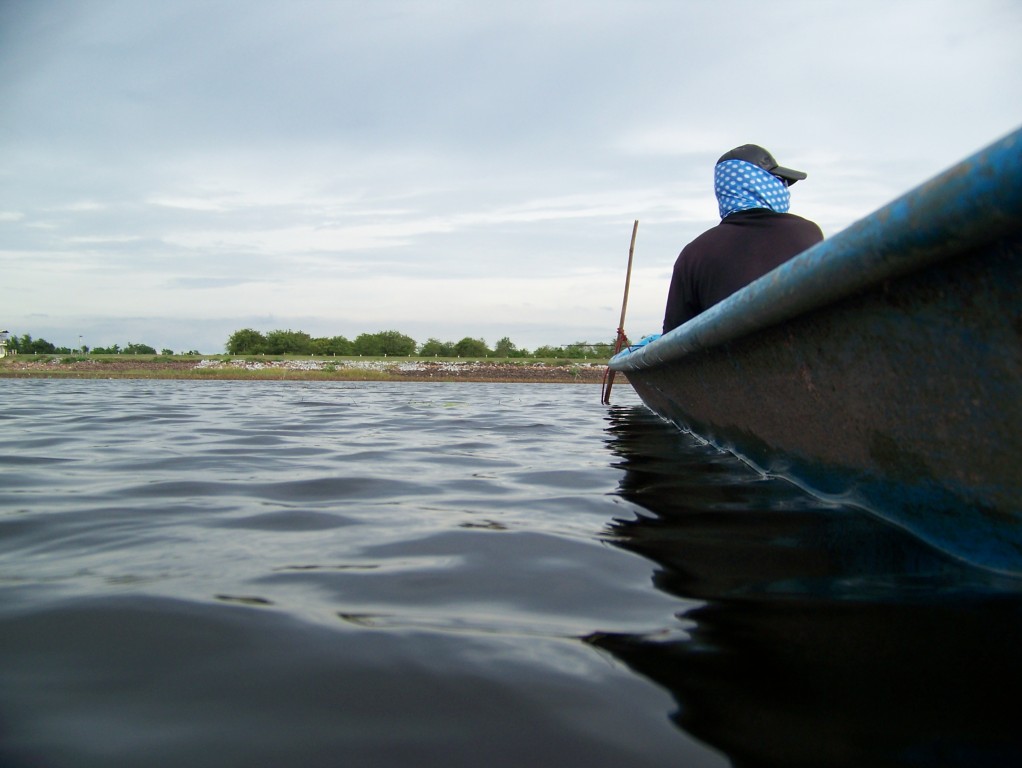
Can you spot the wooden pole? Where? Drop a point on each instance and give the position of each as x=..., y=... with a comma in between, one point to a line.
x=622, y=340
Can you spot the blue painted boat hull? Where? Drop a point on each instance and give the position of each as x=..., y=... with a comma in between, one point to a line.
x=881, y=368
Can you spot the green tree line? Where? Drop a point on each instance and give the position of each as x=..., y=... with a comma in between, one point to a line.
x=248, y=341
x=287, y=342
x=26, y=345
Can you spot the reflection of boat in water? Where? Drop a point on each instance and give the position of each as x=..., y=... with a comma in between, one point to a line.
x=825, y=636
x=882, y=366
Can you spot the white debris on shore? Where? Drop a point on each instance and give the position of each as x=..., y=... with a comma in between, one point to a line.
x=321, y=365
x=410, y=366
x=226, y=367
x=289, y=365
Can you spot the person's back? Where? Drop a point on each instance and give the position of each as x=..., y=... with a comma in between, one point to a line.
x=756, y=234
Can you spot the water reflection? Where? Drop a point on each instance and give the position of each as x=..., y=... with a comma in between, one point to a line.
x=824, y=637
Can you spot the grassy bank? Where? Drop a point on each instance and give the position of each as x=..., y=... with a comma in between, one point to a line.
x=302, y=368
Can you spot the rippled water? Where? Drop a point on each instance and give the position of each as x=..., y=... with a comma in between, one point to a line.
x=383, y=574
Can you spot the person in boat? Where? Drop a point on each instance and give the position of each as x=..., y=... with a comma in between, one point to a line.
x=755, y=235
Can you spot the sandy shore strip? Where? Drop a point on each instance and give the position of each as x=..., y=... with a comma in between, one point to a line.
x=347, y=369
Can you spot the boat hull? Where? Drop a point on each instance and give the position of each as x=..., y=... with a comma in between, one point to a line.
x=903, y=396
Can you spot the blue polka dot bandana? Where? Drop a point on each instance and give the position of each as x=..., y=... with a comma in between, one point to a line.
x=741, y=186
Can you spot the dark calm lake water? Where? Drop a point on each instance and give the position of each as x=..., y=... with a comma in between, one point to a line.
x=397, y=574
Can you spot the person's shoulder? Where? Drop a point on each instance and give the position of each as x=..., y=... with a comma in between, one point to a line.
x=798, y=218
x=803, y=223
x=701, y=239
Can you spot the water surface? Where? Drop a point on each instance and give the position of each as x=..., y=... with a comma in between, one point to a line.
x=382, y=574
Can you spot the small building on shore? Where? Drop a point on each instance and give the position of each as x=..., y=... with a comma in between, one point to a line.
x=4, y=336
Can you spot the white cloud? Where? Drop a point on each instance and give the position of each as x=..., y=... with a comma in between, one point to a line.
x=447, y=166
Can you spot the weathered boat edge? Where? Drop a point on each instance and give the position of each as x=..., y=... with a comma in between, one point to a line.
x=896, y=387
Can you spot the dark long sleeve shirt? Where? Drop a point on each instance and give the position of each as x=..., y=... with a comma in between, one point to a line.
x=743, y=247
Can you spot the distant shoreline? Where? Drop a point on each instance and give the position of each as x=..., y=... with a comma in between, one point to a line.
x=301, y=369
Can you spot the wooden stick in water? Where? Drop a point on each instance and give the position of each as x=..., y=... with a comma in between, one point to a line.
x=622, y=340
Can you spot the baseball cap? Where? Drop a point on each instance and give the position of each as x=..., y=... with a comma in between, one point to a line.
x=755, y=154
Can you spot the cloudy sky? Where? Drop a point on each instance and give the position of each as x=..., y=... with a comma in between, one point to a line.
x=175, y=170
